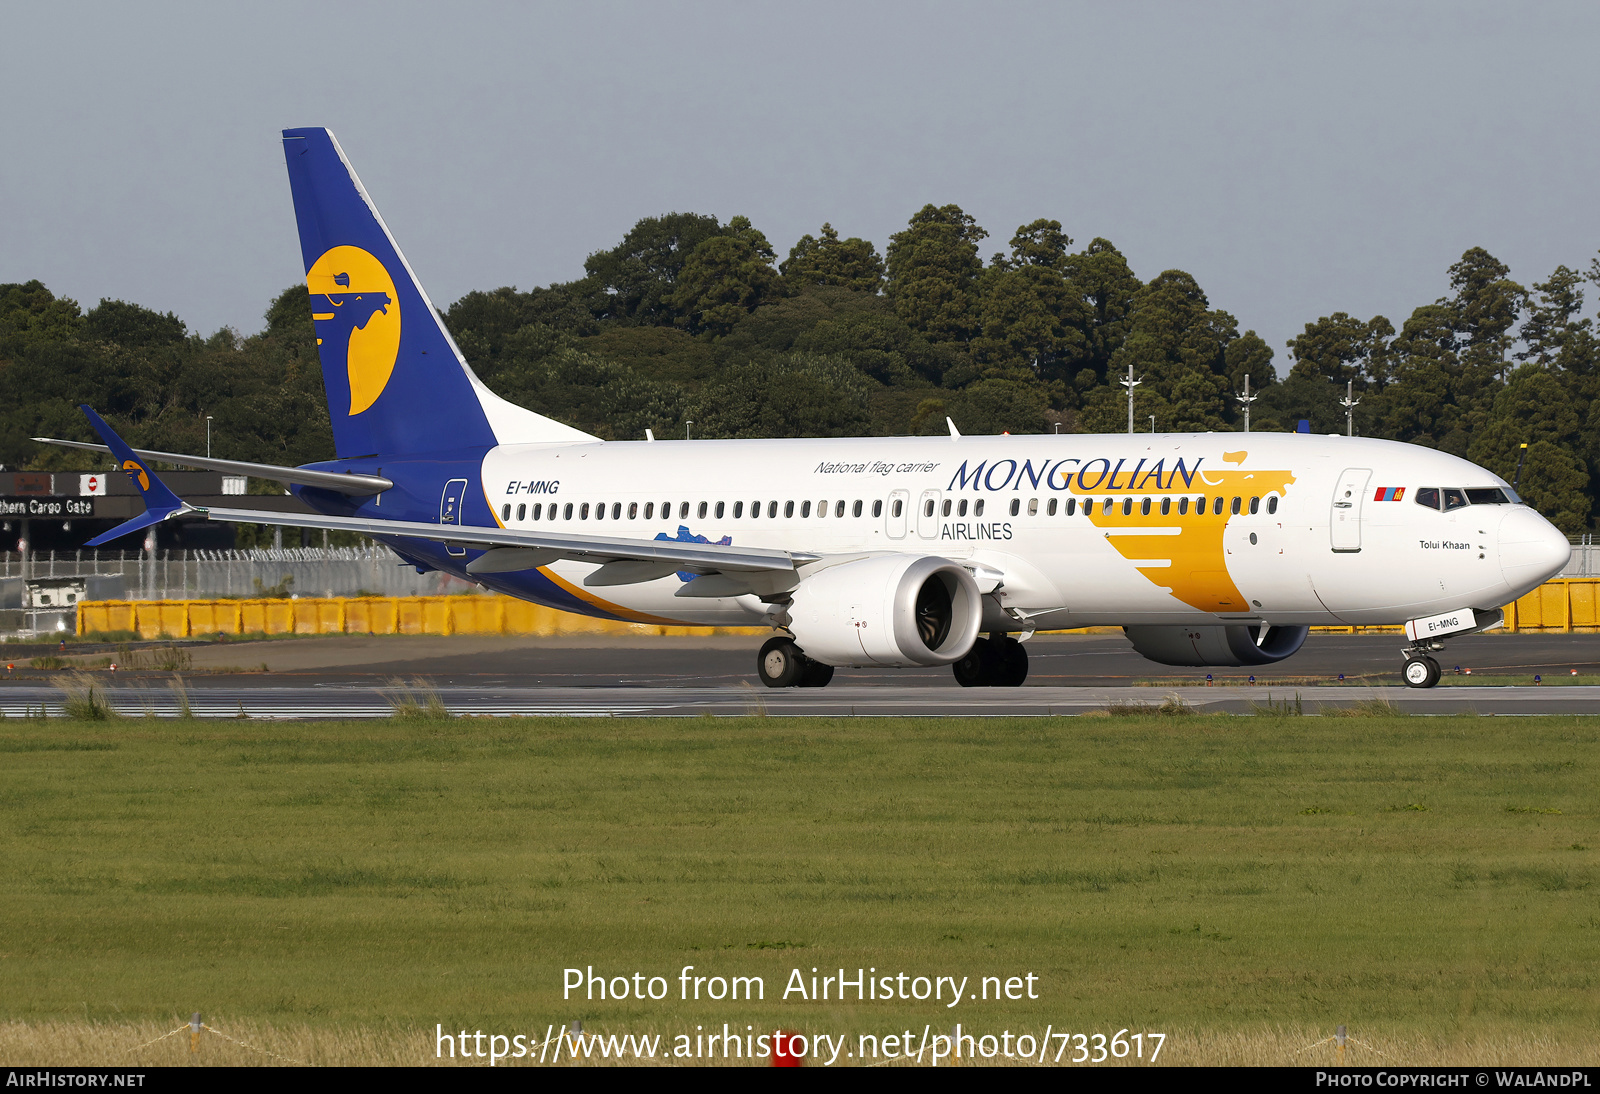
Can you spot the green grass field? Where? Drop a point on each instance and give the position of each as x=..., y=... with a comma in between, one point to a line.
x=1430, y=882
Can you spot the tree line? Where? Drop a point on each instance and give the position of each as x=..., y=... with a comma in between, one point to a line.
x=692, y=320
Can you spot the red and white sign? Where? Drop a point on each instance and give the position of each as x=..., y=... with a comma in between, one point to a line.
x=91, y=485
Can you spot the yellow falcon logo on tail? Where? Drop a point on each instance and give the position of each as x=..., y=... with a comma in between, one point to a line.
x=353, y=303
x=136, y=470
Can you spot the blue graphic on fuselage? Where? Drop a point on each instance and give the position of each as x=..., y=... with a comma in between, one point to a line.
x=686, y=536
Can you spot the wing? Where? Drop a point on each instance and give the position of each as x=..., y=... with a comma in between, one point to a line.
x=541, y=548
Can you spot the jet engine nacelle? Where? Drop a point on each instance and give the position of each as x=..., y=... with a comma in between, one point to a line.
x=887, y=610
x=1219, y=646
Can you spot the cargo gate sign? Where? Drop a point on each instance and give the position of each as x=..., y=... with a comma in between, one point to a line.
x=35, y=505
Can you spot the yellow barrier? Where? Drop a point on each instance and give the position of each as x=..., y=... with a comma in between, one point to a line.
x=1566, y=604
x=358, y=615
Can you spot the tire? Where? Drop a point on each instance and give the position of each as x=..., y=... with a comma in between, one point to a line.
x=780, y=663
x=1011, y=663
x=975, y=670
x=815, y=674
x=1421, y=672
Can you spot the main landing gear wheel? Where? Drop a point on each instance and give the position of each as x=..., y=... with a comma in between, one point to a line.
x=998, y=661
x=781, y=664
x=816, y=674
x=1421, y=672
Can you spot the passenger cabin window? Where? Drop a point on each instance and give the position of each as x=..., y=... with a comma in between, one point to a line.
x=600, y=511
x=616, y=510
x=838, y=509
x=805, y=509
x=738, y=510
x=1235, y=508
x=633, y=510
x=1493, y=496
x=1072, y=507
x=1183, y=507
x=855, y=510
x=1127, y=507
x=505, y=511
x=1050, y=510
x=1216, y=507
x=1144, y=508
x=683, y=511
x=719, y=510
x=1454, y=498
x=583, y=511
x=522, y=512
x=1255, y=506
x=772, y=510
x=1016, y=506
x=537, y=506
x=877, y=508
x=1272, y=504
x=788, y=508
x=961, y=509
x=649, y=510
x=1106, y=508
x=1166, y=506
x=946, y=507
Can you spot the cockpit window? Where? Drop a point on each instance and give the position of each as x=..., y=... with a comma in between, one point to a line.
x=1429, y=496
x=1454, y=498
x=1491, y=496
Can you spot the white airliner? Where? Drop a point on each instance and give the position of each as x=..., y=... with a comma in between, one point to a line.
x=1208, y=549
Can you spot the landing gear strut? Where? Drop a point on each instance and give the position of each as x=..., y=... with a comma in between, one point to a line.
x=1421, y=671
x=782, y=664
x=998, y=661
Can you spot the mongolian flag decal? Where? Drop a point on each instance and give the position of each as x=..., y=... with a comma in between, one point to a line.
x=1389, y=493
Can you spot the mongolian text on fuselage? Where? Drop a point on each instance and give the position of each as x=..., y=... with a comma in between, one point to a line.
x=1095, y=474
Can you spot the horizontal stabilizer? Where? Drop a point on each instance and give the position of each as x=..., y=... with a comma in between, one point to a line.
x=340, y=483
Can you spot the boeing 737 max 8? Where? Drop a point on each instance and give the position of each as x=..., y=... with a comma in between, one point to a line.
x=1209, y=549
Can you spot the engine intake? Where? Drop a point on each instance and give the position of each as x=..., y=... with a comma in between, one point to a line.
x=1224, y=647
x=896, y=610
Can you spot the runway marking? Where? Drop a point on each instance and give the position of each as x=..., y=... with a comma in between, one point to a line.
x=337, y=702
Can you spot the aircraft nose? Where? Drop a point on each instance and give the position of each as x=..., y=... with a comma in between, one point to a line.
x=1532, y=550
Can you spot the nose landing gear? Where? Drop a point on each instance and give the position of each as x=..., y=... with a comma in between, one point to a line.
x=1421, y=672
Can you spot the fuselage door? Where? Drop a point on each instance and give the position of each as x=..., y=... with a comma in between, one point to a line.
x=895, y=519
x=450, y=503
x=1345, y=522
x=928, y=514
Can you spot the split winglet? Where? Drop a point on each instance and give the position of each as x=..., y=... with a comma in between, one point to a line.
x=160, y=503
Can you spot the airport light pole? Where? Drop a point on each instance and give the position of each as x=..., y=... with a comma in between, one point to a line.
x=208, y=436
x=1245, y=400
x=1349, y=402
x=686, y=426
x=1130, y=383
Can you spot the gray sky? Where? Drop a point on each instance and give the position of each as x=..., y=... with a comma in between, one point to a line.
x=1298, y=159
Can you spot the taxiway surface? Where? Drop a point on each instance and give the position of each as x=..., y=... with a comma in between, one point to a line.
x=355, y=676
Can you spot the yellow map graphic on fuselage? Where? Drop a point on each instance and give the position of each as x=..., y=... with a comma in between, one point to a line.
x=1190, y=544
x=354, y=306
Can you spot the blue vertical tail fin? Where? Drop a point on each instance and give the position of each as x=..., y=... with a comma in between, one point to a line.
x=396, y=382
